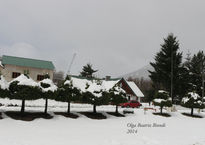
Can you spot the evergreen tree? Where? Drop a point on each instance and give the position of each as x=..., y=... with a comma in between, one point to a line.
x=192, y=100
x=185, y=78
x=167, y=58
x=88, y=71
x=94, y=95
x=68, y=93
x=162, y=99
x=195, y=71
x=48, y=91
x=117, y=96
x=23, y=88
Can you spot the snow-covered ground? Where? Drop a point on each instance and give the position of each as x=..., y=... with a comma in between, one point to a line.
x=175, y=130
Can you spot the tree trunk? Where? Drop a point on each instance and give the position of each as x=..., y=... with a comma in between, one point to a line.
x=23, y=106
x=94, y=109
x=46, y=106
x=161, y=109
x=68, y=111
x=116, y=111
x=192, y=111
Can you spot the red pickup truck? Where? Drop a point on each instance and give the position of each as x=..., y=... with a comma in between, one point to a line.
x=131, y=104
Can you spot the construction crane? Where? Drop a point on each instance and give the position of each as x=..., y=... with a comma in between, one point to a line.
x=69, y=68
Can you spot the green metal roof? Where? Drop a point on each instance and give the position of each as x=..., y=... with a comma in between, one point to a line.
x=27, y=62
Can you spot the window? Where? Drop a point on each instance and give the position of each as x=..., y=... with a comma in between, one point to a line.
x=40, y=77
x=15, y=74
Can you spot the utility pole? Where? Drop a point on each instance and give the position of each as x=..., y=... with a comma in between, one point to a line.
x=172, y=76
x=202, y=75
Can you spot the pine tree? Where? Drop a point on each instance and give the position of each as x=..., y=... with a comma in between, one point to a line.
x=23, y=88
x=94, y=95
x=185, y=78
x=161, y=76
x=117, y=96
x=195, y=71
x=162, y=99
x=68, y=93
x=48, y=91
x=192, y=100
x=88, y=71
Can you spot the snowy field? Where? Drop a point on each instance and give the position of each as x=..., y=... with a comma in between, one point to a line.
x=175, y=130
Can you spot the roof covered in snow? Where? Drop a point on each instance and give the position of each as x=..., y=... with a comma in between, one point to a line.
x=135, y=89
x=91, y=85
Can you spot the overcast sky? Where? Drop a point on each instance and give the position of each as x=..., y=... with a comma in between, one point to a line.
x=116, y=36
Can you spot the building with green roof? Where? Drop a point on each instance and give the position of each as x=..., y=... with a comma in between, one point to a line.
x=12, y=66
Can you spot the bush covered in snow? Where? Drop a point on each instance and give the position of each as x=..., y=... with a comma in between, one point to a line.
x=162, y=99
x=67, y=93
x=94, y=95
x=117, y=96
x=192, y=100
x=24, y=88
x=48, y=91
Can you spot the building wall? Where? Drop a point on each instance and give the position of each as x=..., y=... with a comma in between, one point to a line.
x=33, y=72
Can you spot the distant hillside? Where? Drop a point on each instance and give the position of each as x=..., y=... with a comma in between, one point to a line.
x=142, y=72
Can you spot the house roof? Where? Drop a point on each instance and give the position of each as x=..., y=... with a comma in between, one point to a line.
x=81, y=83
x=135, y=89
x=27, y=62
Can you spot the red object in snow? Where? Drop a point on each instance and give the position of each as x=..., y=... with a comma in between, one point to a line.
x=131, y=104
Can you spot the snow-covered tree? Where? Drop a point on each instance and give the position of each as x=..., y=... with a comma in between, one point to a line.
x=192, y=100
x=48, y=90
x=24, y=88
x=94, y=95
x=67, y=93
x=162, y=99
x=117, y=96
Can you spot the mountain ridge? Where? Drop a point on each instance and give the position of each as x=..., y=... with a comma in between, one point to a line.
x=140, y=73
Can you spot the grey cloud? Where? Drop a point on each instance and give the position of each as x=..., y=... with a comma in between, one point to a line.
x=116, y=36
